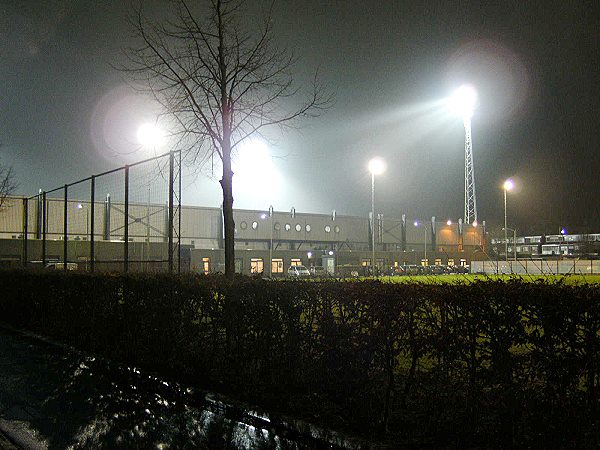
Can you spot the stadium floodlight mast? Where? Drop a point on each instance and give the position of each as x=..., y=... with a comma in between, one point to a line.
x=376, y=167
x=463, y=103
x=507, y=186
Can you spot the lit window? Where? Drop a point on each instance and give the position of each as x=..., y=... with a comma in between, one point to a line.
x=327, y=229
x=256, y=265
x=365, y=262
x=243, y=225
x=298, y=227
x=308, y=228
x=254, y=225
x=206, y=265
x=424, y=262
x=451, y=261
x=438, y=261
x=288, y=227
x=296, y=262
x=463, y=262
x=277, y=266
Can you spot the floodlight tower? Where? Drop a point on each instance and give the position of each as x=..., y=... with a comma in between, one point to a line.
x=464, y=101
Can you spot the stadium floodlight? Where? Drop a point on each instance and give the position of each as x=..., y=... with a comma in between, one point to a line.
x=376, y=167
x=463, y=102
x=149, y=135
x=507, y=186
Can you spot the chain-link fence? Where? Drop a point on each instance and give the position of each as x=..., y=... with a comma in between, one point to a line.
x=126, y=219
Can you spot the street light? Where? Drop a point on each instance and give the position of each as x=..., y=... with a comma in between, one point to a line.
x=376, y=167
x=514, y=231
x=418, y=224
x=507, y=186
x=562, y=231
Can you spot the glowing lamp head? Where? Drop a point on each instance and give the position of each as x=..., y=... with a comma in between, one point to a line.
x=376, y=166
x=463, y=101
x=563, y=231
x=474, y=224
x=508, y=185
x=263, y=216
x=449, y=222
x=416, y=223
x=309, y=254
x=149, y=135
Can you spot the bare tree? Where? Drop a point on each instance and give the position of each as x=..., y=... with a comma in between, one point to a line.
x=219, y=83
x=8, y=184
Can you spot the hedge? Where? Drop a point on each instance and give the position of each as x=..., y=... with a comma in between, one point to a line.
x=506, y=363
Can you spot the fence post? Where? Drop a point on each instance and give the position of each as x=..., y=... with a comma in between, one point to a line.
x=179, y=219
x=126, y=225
x=92, y=219
x=107, y=218
x=65, y=224
x=170, y=231
x=44, y=212
x=25, y=226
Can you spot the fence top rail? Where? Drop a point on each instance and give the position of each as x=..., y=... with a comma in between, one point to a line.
x=108, y=172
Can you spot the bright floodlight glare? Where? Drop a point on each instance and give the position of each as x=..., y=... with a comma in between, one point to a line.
x=416, y=223
x=463, y=101
x=509, y=185
x=376, y=166
x=263, y=216
x=474, y=224
x=309, y=254
x=449, y=222
x=563, y=231
x=330, y=252
x=149, y=135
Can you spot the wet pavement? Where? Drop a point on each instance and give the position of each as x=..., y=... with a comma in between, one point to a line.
x=54, y=397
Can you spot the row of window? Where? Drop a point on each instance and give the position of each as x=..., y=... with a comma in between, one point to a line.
x=256, y=265
x=366, y=262
x=288, y=227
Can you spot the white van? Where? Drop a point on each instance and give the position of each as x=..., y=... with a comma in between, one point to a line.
x=298, y=272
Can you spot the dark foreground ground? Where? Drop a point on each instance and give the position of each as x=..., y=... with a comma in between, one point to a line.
x=53, y=397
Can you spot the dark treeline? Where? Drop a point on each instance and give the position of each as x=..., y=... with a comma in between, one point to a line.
x=491, y=363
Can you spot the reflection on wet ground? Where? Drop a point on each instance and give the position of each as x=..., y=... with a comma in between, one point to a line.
x=55, y=397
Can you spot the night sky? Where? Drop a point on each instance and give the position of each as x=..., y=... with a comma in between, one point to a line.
x=65, y=113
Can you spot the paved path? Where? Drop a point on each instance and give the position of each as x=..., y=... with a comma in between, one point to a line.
x=53, y=397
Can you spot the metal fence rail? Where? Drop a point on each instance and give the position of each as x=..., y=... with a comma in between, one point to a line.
x=125, y=219
x=538, y=267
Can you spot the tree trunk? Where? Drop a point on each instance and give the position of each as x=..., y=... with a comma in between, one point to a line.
x=228, y=223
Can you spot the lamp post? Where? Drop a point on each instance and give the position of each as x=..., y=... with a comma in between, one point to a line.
x=562, y=231
x=376, y=167
x=271, y=245
x=507, y=186
x=514, y=231
x=417, y=224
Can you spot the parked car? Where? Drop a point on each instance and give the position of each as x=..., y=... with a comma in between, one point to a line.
x=318, y=271
x=461, y=269
x=61, y=266
x=298, y=272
